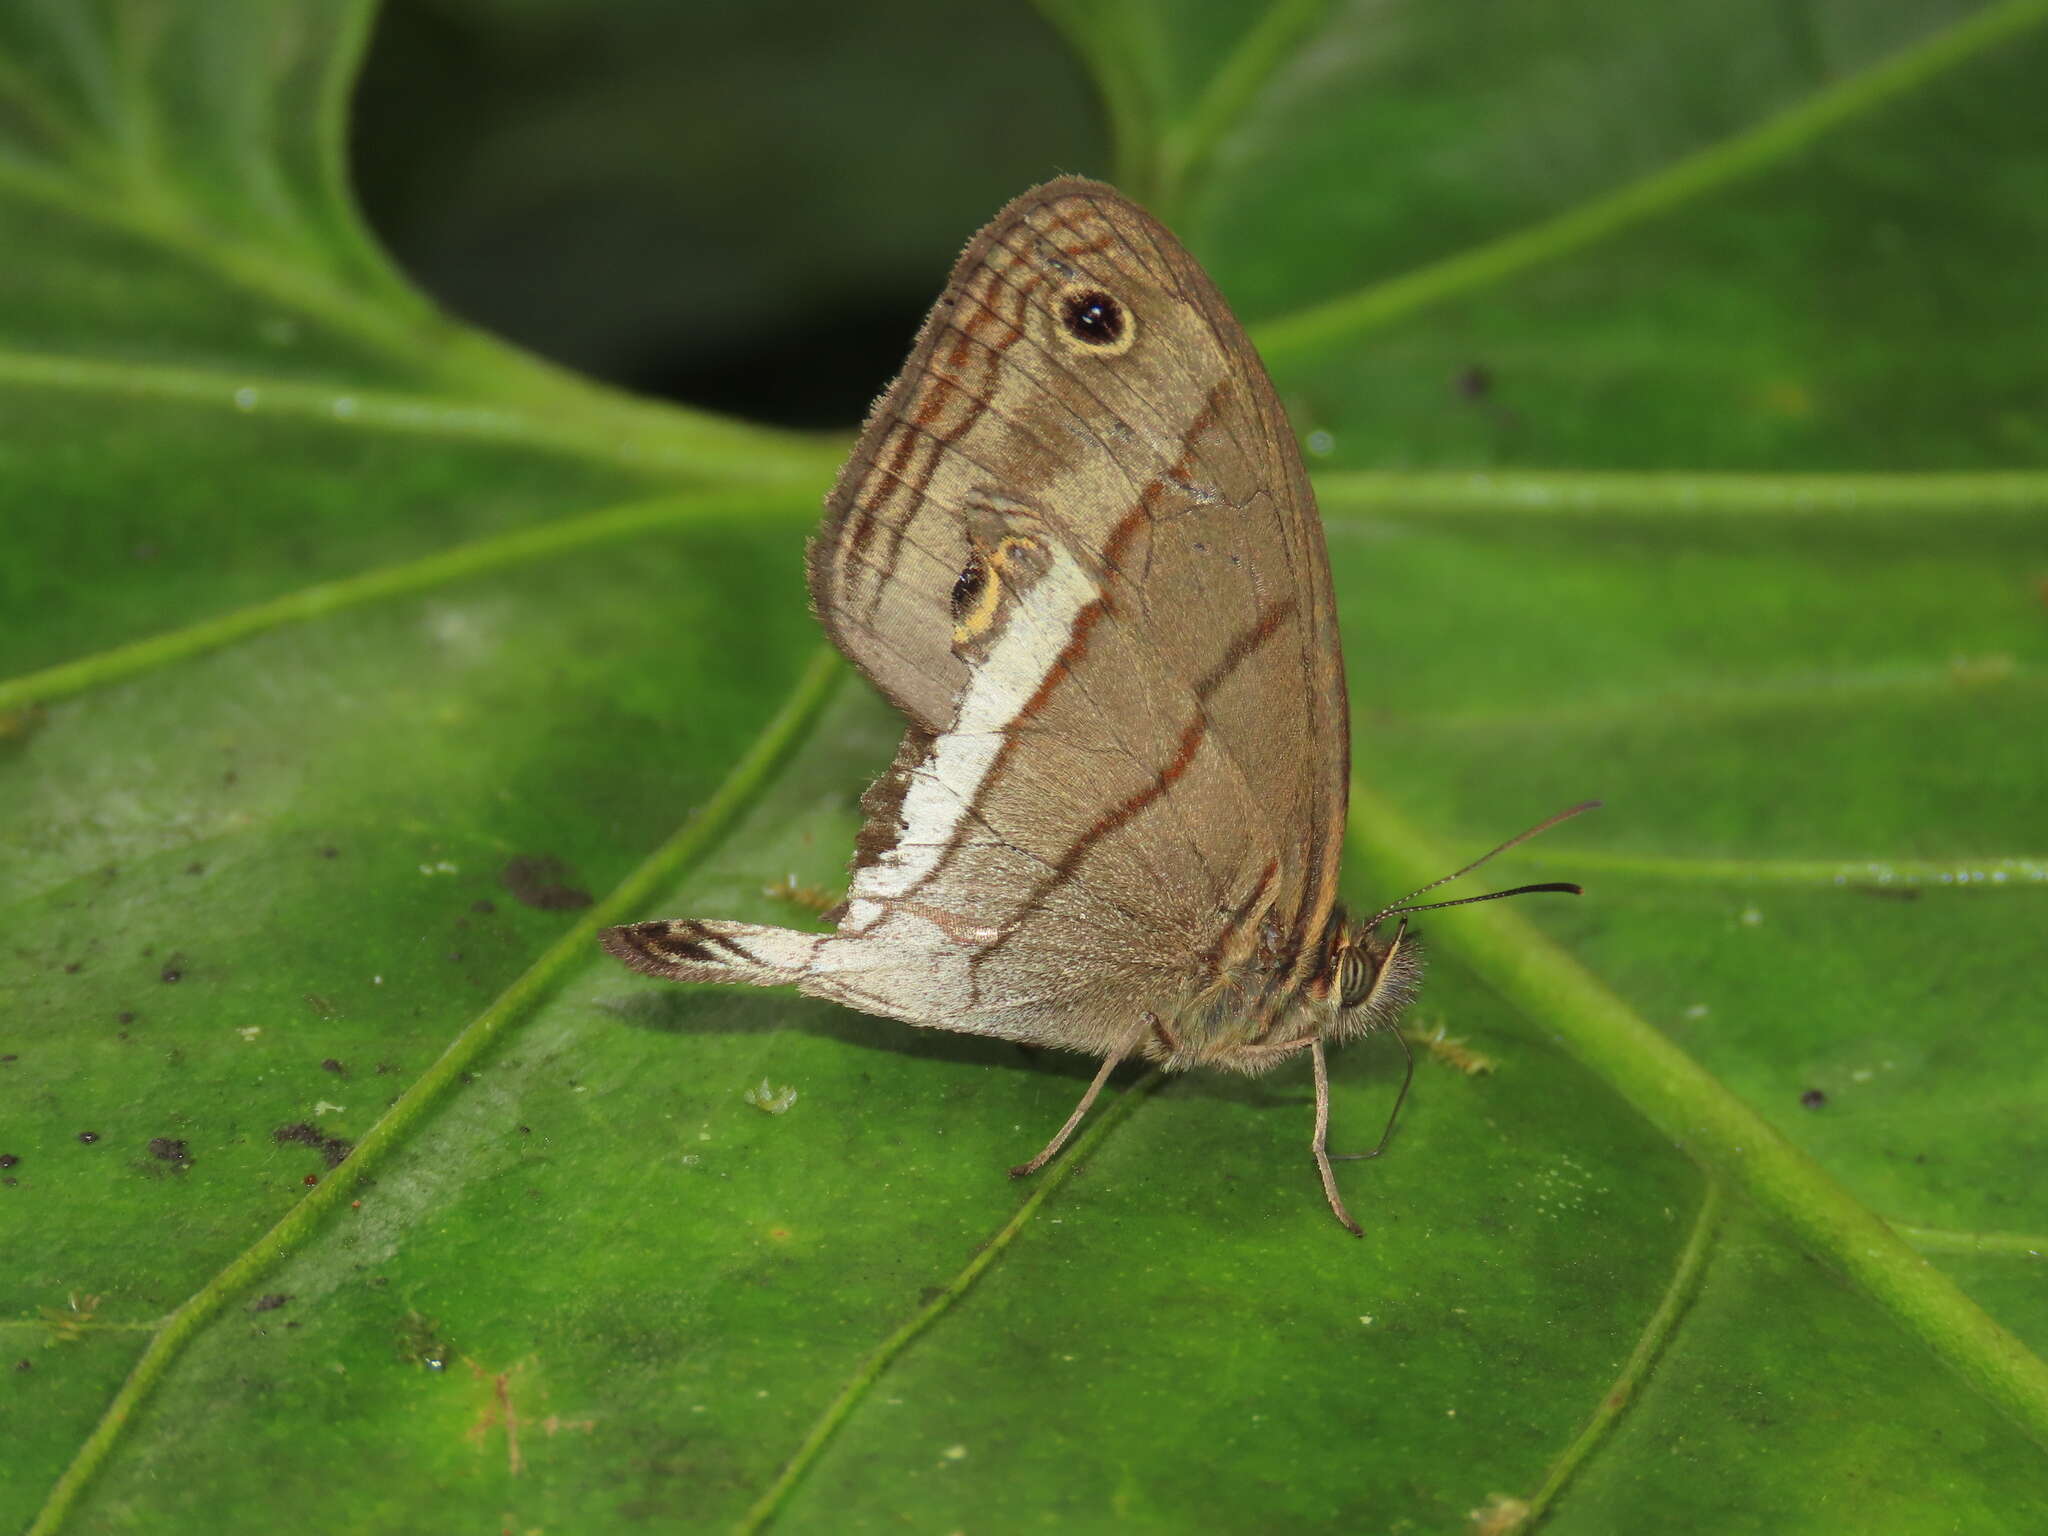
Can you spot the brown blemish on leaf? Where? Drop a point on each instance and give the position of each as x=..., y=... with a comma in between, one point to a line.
x=500, y=1411
x=542, y=880
x=171, y=1149
x=334, y=1149
x=269, y=1303
x=17, y=725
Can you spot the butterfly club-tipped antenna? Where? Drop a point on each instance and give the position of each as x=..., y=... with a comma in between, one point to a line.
x=1408, y=904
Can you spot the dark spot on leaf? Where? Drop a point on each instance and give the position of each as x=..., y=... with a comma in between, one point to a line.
x=311, y=1178
x=1892, y=892
x=24, y=1365
x=269, y=1303
x=930, y=1294
x=124, y=1017
x=332, y=1148
x=1813, y=1098
x=88, y=1137
x=171, y=1149
x=8, y=1159
x=331, y=1065
x=74, y=968
x=174, y=970
x=195, y=868
x=230, y=778
x=483, y=906
x=542, y=880
x=12, y=1056
x=526, y=1130
x=1475, y=383
x=330, y=852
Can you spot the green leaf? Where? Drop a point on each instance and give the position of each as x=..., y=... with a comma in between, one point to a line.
x=1671, y=377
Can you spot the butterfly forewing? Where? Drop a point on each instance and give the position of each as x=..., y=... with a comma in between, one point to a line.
x=1076, y=548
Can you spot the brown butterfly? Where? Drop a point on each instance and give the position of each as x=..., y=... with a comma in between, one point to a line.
x=1076, y=548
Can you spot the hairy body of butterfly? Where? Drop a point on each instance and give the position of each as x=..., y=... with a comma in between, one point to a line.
x=1075, y=546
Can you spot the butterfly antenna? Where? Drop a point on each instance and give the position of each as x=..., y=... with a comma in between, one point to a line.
x=1401, y=904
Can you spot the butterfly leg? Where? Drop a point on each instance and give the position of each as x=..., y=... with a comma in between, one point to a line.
x=1393, y=1114
x=1321, y=1144
x=1060, y=1139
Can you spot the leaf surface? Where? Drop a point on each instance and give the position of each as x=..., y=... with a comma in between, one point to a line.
x=1670, y=381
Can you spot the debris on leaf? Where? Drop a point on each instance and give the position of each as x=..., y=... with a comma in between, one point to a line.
x=67, y=1324
x=770, y=1100
x=1501, y=1515
x=1451, y=1050
x=811, y=898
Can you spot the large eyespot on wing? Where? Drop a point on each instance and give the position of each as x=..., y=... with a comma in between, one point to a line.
x=1003, y=401
x=1096, y=320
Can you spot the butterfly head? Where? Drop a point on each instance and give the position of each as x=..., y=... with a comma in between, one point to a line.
x=1373, y=975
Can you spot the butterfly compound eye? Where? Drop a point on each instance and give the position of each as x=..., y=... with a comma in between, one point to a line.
x=1097, y=320
x=1355, y=976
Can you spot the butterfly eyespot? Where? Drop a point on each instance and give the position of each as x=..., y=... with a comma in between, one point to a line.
x=973, y=579
x=1097, y=320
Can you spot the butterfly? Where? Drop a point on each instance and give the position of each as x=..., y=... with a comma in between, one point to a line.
x=1076, y=548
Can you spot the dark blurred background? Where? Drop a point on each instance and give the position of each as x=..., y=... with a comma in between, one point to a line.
x=739, y=205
